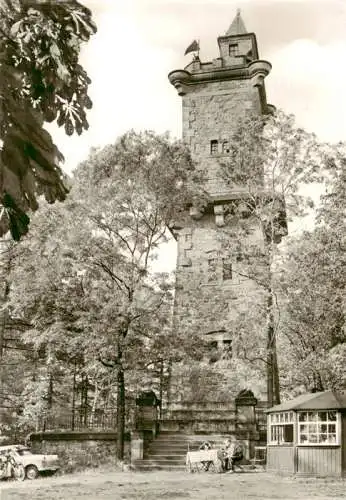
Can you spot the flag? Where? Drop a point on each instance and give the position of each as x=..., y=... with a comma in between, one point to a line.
x=193, y=47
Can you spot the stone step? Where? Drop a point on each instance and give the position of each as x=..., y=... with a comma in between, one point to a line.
x=161, y=463
x=148, y=468
x=165, y=456
x=201, y=405
x=198, y=426
x=167, y=451
x=167, y=436
x=200, y=414
x=171, y=436
x=199, y=418
x=182, y=446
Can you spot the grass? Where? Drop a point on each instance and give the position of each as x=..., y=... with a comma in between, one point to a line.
x=106, y=485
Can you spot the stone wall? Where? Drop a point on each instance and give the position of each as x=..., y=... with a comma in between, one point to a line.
x=206, y=299
x=79, y=450
x=210, y=112
x=217, y=305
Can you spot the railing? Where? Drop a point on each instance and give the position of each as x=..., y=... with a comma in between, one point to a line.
x=80, y=421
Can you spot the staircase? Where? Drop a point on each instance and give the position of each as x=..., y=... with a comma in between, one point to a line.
x=168, y=450
x=185, y=425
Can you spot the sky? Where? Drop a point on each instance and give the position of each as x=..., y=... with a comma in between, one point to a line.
x=140, y=41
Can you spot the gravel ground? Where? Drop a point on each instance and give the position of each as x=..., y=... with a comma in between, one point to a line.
x=97, y=485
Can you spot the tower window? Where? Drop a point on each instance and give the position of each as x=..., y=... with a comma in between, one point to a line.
x=225, y=147
x=233, y=49
x=214, y=146
x=226, y=269
x=227, y=349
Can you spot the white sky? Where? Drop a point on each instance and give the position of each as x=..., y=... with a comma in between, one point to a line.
x=140, y=41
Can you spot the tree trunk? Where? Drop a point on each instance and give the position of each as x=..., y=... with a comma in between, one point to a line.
x=270, y=388
x=273, y=382
x=93, y=407
x=4, y=316
x=276, y=378
x=161, y=384
x=2, y=341
x=74, y=397
x=169, y=383
x=46, y=422
x=86, y=400
x=50, y=392
x=317, y=383
x=120, y=413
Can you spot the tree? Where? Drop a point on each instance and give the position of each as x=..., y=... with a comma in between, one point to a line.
x=41, y=81
x=270, y=163
x=142, y=182
x=99, y=294
x=312, y=309
x=311, y=285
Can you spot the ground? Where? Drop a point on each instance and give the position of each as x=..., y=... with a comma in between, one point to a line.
x=97, y=485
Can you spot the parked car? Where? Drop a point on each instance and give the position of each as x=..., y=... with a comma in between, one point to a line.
x=33, y=463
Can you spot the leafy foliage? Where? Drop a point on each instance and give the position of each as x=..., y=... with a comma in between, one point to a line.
x=92, y=297
x=271, y=165
x=311, y=284
x=41, y=81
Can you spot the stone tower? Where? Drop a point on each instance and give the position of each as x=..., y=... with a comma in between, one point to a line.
x=212, y=292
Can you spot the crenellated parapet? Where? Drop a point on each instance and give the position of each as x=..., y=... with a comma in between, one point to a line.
x=182, y=79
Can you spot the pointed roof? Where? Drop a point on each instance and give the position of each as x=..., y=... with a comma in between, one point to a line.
x=237, y=27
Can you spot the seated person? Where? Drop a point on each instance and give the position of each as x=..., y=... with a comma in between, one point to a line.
x=205, y=446
x=233, y=453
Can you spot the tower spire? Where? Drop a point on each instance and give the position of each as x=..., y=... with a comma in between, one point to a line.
x=237, y=27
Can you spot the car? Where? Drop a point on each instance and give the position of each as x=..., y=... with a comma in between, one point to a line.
x=33, y=463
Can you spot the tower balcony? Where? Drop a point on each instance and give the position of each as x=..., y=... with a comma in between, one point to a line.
x=258, y=70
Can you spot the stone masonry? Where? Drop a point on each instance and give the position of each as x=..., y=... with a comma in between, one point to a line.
x=212, y=290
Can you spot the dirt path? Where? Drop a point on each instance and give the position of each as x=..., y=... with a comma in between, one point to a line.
x=170, y=485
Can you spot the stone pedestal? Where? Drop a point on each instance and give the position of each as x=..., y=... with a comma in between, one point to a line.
x=137, y=446
x=147, y=405
x=246, y=423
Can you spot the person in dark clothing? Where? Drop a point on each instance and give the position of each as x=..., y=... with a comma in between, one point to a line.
x=233, y=453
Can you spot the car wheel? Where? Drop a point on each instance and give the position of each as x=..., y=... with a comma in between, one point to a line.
x=31, y=472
